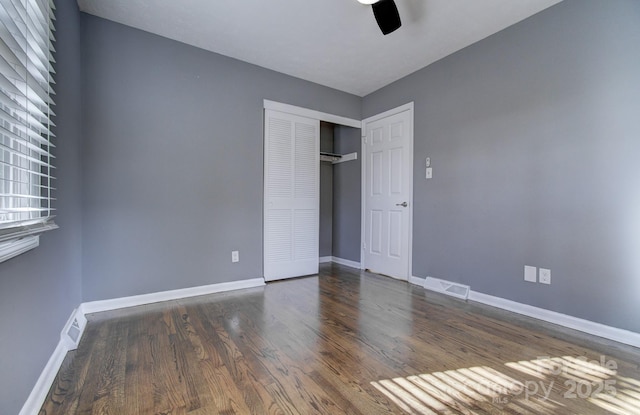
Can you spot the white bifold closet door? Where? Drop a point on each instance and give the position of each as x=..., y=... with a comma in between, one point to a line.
x=291, y=195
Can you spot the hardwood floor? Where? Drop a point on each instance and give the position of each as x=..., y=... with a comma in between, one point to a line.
x=343, y=342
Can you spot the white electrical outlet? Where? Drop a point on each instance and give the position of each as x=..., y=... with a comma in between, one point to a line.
x=428, y=162
x=530, y=273
x=545, y=276
x=235, y=256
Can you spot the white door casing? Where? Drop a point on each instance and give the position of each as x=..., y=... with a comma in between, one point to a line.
x=291, y=195
x=388, y=192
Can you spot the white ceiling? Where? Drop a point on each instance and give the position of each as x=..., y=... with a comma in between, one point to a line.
x=331, y=42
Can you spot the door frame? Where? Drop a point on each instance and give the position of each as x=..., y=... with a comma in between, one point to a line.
x=406, y=107
x=305, y=112
x=302, y=112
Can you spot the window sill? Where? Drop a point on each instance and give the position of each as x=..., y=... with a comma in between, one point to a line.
x=16, y=241
x=14, y=248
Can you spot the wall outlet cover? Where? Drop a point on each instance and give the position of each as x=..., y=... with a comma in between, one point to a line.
x=235, y=256
x=545, y=276
x=429, y=173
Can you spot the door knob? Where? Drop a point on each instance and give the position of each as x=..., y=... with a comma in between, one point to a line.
x=403, y=204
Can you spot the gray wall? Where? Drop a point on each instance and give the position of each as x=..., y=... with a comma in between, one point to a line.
x=40, y=289
x=173, y=160
x=326, y=191
x=533, y=134
x=347, y=195
x=534, y=137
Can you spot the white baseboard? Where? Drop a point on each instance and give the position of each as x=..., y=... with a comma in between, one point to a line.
x=136, y=300
x=43, y=384
x=41, y=389
x=597, y=329
x=325, y=259
x=586, y=326
x=45, y=381
x=352, y=264
x=416, y=280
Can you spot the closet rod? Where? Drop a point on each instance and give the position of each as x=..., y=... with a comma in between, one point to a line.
x=337, y=158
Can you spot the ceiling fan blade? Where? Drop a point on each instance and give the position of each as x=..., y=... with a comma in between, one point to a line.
x=387, y=16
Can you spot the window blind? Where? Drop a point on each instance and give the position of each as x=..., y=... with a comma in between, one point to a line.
x=26, y=159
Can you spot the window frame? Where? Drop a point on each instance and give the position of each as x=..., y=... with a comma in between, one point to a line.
x=26, y=137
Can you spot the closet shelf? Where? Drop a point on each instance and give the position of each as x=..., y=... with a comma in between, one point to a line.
x=337, y=158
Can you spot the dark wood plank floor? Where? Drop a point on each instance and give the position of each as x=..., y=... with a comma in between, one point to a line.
x=342, y=342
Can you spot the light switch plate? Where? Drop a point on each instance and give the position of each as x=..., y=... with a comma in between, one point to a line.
x=530, y=273
x=429, y=173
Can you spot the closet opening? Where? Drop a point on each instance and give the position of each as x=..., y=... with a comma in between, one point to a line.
x=292, y=187
x=340, y=194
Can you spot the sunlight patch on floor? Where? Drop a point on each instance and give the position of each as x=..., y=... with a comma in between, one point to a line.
x=625, y=401
x=543, y=386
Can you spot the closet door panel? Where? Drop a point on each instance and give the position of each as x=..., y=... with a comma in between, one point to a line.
x=291, y=195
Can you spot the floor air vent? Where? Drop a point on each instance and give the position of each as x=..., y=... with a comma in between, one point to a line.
x=447, y=287
x=72, y=331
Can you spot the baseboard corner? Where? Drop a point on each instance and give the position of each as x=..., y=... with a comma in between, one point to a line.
x=74, y=328
x=347, y=262
x=416, y=280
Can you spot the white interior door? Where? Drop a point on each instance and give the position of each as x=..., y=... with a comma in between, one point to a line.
x=291, y=195
x=388, y=194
